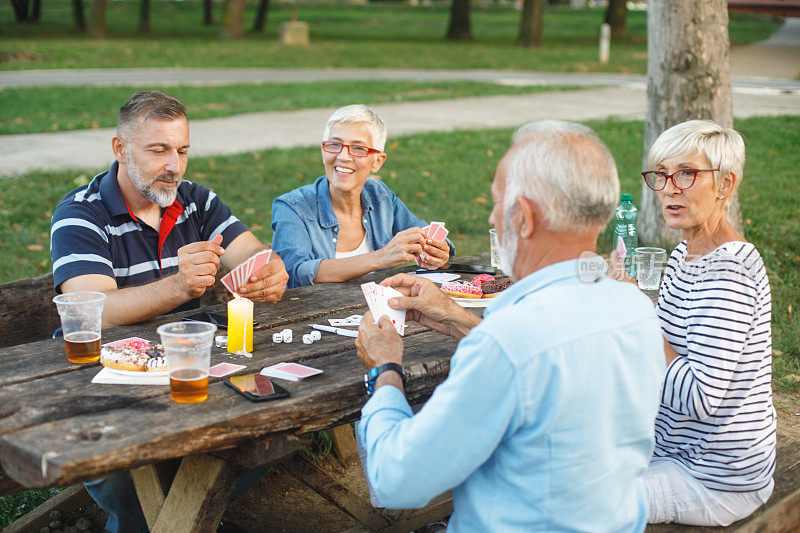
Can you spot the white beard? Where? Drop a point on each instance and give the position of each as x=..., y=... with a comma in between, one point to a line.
x=160, y=197
x=508, y=248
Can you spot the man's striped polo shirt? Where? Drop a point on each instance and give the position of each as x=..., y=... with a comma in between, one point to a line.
x=94, y=232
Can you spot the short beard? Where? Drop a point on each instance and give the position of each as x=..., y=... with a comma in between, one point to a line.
x=508, y=247
x=161, y=198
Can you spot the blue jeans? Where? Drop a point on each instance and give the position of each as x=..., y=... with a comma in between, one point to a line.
x=116, y=495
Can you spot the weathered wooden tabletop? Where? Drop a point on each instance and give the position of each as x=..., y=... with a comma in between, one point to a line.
x=57, y=428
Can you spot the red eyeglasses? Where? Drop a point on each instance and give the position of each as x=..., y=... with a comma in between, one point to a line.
x=332, y=147
x=682, y=179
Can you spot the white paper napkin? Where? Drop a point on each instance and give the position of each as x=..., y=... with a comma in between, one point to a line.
x=108, y=376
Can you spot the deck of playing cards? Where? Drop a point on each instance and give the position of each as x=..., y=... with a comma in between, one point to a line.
x=378, y=298
x=240, y=275
x=290, y=371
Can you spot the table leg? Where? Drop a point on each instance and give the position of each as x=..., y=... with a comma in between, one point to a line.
x=196, y=499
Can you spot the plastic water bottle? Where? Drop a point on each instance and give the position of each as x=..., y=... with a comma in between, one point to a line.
x=626, y=228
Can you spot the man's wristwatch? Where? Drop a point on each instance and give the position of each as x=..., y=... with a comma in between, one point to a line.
x=371, y=376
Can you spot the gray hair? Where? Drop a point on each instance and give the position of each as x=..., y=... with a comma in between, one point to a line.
x=567, y=171
x=359, y=113
x=147, y=104
x=723, y=147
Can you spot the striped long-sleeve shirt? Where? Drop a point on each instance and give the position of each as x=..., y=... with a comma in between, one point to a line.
x=94, y=232
x=716, y=415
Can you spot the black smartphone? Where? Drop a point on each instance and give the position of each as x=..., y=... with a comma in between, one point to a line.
x=256, y=387
x=467, y=269
x=221, y=321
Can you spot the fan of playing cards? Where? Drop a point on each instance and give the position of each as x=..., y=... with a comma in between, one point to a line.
x=435, y=232
x=241, y=274
x=378, y=300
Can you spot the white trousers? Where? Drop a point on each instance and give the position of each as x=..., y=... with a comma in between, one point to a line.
x=673, y=495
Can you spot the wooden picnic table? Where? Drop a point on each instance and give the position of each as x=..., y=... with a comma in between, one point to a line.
x=57, y=428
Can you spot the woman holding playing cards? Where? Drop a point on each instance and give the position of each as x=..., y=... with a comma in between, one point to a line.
x=347, y=224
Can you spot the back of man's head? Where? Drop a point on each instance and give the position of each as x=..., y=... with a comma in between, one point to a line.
x=146, y=105
x=567, y=171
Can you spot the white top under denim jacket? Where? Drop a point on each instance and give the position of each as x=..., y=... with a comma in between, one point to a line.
x=306, y=229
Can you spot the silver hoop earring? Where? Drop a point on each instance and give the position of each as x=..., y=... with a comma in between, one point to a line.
x=721, y=196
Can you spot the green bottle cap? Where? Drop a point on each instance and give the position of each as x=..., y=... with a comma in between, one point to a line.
x=627, y=197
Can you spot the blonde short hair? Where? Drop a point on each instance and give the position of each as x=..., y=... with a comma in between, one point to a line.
x=359, y=113
x=723, y=147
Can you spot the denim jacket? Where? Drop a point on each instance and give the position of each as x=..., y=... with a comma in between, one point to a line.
x=305, y=228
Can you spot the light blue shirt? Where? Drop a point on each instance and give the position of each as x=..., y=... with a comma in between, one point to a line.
x=545, y=422
x=305, y=228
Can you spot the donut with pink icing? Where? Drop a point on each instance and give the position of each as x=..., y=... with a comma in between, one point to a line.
x=461, y=290
x=480, y=279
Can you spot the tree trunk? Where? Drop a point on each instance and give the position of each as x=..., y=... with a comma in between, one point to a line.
x=36, y=12
x=688, y=77
x=530, y=28
x=20, y=8
x=261, y=16
x=97, y=19
x=615, y=17
x=208, y=13
x=232, y=20
x=144, y=16
x=459, y=27
x=78, y=17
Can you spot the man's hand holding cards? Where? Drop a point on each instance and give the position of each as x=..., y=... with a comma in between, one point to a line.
x=377, y=297
x=437, y=251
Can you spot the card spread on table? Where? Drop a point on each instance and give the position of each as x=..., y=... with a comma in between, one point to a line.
x=378, y=298
x=352, y=320
x=223, y=369
x=241, y=274
x=290, y=371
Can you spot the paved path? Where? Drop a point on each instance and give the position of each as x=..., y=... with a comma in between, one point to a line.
x=763, y=85
x=282, y=129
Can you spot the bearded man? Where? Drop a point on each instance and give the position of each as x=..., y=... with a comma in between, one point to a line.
x=545, y=421
x=138, y=232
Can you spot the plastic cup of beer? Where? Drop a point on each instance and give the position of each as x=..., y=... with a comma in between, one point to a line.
x=649, y=264
x=81, y=320
x=187, y=347
x=494, y=249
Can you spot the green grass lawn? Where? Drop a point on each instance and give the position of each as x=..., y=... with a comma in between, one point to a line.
x=381, y=34
x=446, y=176
x=41, y=109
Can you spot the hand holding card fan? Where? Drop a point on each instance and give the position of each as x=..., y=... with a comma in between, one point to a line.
x=239, y=276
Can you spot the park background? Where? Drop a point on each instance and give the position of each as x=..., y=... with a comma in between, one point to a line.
x=440, y=175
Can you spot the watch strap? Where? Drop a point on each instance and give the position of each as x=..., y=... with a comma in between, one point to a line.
x=371, y=377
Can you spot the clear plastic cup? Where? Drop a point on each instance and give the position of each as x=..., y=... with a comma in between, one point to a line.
x=650, y=263
x=81, y=322
x=494, y=249
x=187, y=347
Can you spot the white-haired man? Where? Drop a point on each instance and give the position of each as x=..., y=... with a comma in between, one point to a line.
x=545, y=422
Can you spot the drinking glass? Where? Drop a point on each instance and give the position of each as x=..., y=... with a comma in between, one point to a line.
x=494, y=249
x=81, y=321
x=650, y=263
x=187, y=347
